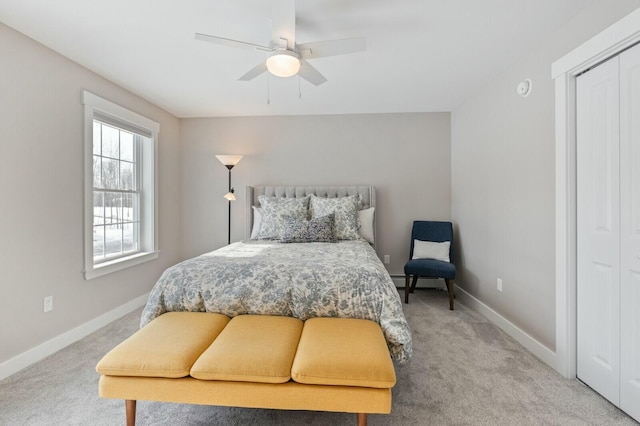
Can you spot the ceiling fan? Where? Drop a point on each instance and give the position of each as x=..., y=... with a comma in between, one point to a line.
x=285, y=57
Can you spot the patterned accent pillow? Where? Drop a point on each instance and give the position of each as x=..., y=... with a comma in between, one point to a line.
x=318, y=230
x=275, y=209
x=346, y=211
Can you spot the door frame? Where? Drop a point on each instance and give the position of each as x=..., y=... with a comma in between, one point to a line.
x=608, y=43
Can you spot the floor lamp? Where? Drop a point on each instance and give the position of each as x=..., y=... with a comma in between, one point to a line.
x=229, y=161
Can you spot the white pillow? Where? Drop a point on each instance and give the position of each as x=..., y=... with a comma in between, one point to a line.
x=431, y=250
x=366, y=224
x=257, y=220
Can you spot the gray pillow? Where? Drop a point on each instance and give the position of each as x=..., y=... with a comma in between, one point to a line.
x=318, y=230
x=346, y=211
x=274, y=210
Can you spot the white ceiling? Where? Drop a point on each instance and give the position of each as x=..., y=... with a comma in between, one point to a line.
x=423, y=55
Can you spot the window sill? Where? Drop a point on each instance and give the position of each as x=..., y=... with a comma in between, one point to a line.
x=119, y=264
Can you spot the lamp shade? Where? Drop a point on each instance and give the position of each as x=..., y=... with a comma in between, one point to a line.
x=229, y=160
x=283, y=63
x=230, y=196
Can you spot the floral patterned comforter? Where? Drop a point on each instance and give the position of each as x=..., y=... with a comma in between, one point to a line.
x=305, y=280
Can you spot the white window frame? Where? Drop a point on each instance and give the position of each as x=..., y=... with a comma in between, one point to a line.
x=148, y=175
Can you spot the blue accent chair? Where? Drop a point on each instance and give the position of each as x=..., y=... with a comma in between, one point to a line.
x=430, y=268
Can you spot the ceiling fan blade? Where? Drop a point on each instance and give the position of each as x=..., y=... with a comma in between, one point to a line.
x=283, y=22
x=254, y=72
x=231, y=43
x=320, y=49
x=311, y=74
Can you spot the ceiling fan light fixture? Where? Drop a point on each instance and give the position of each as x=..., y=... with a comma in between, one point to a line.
x=283, y=63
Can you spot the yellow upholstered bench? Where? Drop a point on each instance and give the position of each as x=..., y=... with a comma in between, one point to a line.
x=253, y=361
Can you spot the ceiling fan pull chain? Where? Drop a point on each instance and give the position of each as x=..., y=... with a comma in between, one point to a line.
x=299, y=89
x=268, y=90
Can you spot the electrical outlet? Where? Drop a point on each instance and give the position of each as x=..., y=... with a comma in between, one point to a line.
x=387, y=259
x=48, y=304
x=500, y=284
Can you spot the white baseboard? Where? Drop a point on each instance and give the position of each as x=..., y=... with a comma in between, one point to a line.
x=545, y=354
x=52, y=346
x=49, y=347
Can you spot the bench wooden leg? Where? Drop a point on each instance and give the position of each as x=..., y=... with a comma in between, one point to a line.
x=130, y=407
x=362, y=419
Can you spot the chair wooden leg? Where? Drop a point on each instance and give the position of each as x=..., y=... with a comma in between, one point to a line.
x=451, y=295
x=130, y=407
x=362, y=419
x=406, y=288
x=413, y=283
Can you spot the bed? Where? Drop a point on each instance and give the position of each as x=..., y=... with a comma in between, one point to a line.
x=302, y=280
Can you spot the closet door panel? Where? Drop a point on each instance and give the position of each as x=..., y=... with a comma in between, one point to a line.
x=598, y=229
x=630, y=231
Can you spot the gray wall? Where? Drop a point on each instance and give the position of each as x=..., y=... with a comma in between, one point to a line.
x=503, y=181
x=41, y=175
x=405, y=156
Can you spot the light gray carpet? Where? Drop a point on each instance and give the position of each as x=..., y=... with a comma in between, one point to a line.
x=464, y=371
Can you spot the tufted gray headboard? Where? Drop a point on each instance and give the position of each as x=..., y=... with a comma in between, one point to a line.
x=367, y=193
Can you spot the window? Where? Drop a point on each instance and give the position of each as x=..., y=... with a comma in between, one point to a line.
x=120, y=206
x=116, y=192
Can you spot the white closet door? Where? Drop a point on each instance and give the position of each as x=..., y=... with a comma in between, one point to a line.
x=630, y=231
x=598, y=229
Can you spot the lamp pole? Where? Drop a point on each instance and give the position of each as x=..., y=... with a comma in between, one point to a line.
x=229, y=161
x=229, y=166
